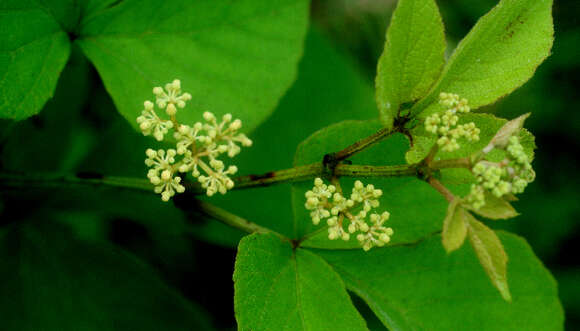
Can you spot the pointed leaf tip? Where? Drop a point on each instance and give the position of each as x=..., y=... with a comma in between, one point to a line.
x=509, y=129
x=490, y=253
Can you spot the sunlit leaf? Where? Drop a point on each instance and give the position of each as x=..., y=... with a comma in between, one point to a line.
x=500, y=53
x=412, y=58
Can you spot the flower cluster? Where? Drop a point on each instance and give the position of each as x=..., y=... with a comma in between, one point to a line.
x=198, y=146
x=510, y=176
x=161, y=173
x=445, y=125
x=151, y=124
x=326, y=202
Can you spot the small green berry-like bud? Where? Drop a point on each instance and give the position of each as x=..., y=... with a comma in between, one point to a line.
x=332, y=235
x=352, y=228
x=208, y=116
x=171, y=110
x=355, y=209
x=331, y=221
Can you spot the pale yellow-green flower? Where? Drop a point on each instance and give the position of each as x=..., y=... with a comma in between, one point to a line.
x=198, y=146
x=445, y=126
x=325, y=202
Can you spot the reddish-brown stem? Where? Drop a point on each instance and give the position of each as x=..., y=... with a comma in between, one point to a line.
x=441, y=189
x=361, y=145
x=429, y=158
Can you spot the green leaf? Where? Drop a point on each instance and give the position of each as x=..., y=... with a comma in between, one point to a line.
x=420, y=287
x=278, y=288
x=490, y=253
x=489, y=126
x=57, y=139
x=454, y=228
x=233, y=57
x=33, y=52
x=52, y=281
x=412, y=58
x=94, y=7
x=65, y=12
x=499, y=54
x=399, y=193
x=495, y=208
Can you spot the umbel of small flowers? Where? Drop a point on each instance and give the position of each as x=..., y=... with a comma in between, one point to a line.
x=198, y=147
x=325, y=202
x=445, y=126
x=510, y=176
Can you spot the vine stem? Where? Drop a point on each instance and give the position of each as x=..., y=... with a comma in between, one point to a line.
x=429, y=158
x=49, y=180
x=464, y=162
x=346, y=170
x=299, y=173
x=436, y=184
x=295, y=174
x=360, y=145
x=233, y=220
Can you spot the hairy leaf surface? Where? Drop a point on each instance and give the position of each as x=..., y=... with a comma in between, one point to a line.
x=412, y=58
x=499, y=54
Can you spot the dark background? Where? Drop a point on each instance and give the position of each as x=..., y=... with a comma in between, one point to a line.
x=88, y=138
